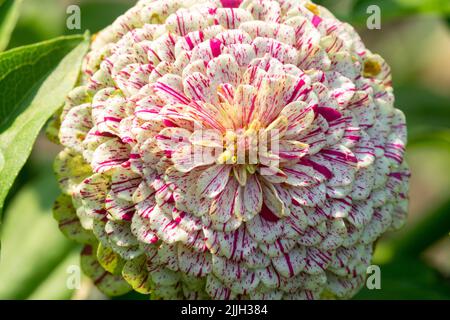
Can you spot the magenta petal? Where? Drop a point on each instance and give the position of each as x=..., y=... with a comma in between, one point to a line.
x=329, y=114
x=268, y=215
x=231, y=3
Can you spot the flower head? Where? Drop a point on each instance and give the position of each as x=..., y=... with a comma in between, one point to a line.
x=228, y=149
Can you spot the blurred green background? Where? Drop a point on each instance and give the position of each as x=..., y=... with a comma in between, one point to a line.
x=415, y=263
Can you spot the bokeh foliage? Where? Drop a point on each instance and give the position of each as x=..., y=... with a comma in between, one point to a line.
x=35, y=255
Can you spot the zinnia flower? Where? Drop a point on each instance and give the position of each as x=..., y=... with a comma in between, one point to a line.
x=231, y=150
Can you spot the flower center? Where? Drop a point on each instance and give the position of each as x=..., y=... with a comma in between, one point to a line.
x=250, y=146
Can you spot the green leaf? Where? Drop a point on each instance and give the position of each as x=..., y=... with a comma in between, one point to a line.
x=33, y=246
x=9, y=14
x=34, y=82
